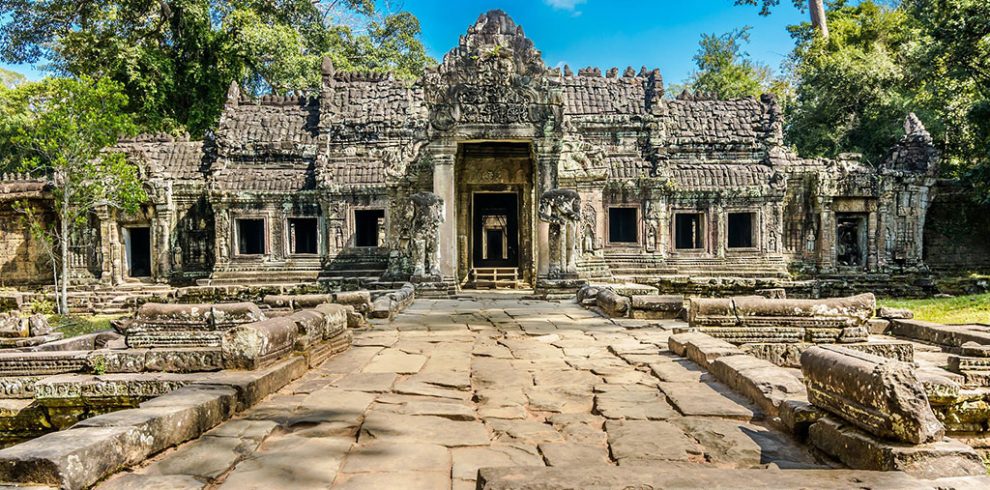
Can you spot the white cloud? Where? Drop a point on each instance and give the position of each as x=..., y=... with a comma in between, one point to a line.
x=568, y=5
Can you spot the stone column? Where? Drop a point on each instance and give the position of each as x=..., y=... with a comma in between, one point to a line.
x=444, y=186
x=826, y=237
x=873, y=244
x=161, y=248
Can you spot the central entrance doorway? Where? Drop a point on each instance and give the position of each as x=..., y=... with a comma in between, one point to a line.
x=495, y=214
x=137, y=247
x=496, y=230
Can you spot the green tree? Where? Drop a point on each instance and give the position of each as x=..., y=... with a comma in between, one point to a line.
x=854, y=88
x=952, y=67
x=176, y=58
x=724, y=69
x=69, y=126
x=819, y=18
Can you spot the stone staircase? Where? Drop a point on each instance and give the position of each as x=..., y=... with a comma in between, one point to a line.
x=594, y=268
x=636, y=267
x=495, y=277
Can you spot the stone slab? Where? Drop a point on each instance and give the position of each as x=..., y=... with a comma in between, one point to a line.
x=762, y=382
x=703, y=400
x=648, y=443
x=692, y=476
x=860, y=450
x=423, y=429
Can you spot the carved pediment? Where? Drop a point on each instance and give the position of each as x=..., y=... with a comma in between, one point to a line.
x=493, y=76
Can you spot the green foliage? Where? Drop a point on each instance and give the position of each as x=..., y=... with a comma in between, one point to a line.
x=881, y=62
x=76, y=325
x=64, y=133
x=953, y=310
x=175, y=58
x=852, y=89
x=41, y=305
x=725, y=70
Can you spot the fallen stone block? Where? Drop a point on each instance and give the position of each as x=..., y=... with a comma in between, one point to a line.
x=39, y=363
x=186, y=325
x=764, y=383
x=951, y=336
x=253, y=345
x=183, y=360
x=797, y=416
x=975, y=370
x=789, y=354
x=703, y=350
x=337, y=318
x=656, y=307
x=879, y=395
x=360, y=300
x=943, y=457
x=678, y=343
x=878, y=326
x=889, y=313
x=613, y=304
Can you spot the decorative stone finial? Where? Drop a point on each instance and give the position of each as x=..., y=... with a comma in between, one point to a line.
x=629, y=73
x=327, y=67
x=567, y=71
x=612, y=72
x=914, y=126
x=233, y=94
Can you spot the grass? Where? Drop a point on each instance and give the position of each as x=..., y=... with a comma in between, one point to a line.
x=955, y=310
x=76, y=325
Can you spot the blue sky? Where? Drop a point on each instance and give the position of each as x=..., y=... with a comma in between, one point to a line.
x=604, y=33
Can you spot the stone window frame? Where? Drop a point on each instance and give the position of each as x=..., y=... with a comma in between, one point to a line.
x=639, y=226
x=706, y=241
x=236, y=231
x=352, y=225
x=287, y=233
x=756, y=230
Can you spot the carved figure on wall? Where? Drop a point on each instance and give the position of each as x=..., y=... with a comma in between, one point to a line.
x=425, y=243
x=562, y=209
x=223, y=235
x=580, y=159
x=652, y=219
x=590, y=219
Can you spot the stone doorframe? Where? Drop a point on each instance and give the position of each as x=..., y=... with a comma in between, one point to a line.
x=443, y=153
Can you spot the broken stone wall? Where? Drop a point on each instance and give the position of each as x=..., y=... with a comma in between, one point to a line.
x=957, y=232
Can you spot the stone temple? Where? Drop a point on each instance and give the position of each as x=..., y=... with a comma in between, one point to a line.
x=495, y=169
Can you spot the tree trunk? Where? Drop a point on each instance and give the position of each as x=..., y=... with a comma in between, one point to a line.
x=818, y=19
x=64, y=249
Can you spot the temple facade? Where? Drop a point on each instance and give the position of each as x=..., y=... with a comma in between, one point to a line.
x=496, y=169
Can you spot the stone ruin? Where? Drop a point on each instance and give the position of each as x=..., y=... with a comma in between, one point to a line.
x=494, y=168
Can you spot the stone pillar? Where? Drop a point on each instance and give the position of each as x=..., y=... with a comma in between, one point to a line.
x=444, y=186
x=162, y=227
x=873, y=244
x=826, y=237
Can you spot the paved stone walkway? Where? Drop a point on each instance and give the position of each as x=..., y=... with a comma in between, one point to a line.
x=451, y=386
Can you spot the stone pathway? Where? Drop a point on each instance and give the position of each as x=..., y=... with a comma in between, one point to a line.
x=454, y=385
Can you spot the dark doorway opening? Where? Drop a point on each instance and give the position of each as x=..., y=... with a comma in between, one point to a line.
x=741, y=230
x=496, y=230
x=689, y=231
x=623, y=227
x=850, y=243
x=251, y=236
x=303, y=235
x=138, y=247
x=368, y=225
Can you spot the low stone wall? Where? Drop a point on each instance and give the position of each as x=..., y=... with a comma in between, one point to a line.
x=390, y=304
x=753, y=319
x=112, y=442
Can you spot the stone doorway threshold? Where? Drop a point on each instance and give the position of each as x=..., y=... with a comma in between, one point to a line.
x=494, y=294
